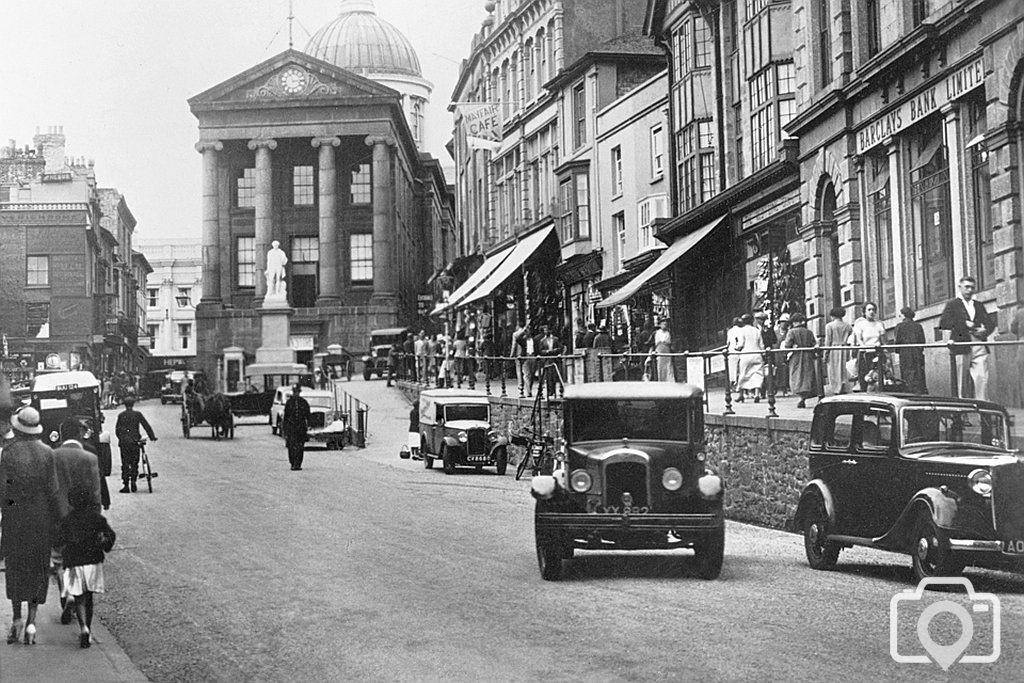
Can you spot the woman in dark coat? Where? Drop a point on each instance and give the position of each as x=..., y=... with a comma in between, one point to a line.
x=31, y=507
x=911, y=360
x=802, y=374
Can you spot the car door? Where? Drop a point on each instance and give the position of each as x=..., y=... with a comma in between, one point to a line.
x=832, y=461
x=877, y=481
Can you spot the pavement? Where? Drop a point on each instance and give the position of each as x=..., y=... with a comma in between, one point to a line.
x=56, y=656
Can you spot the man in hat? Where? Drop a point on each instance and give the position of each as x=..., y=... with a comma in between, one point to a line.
x=295, y=425
x=128, y=439
x=781, y=376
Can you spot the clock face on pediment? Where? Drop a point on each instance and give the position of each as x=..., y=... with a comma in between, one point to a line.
x=293, y=80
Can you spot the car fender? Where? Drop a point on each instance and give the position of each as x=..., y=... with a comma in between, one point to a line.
x=814, y=488
x=942, y=507
x=500, y=442
x=451, y=442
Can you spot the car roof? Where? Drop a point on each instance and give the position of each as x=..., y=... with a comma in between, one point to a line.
x=456, y=395
x=900, y=400
x=50, y=381
x=631, y=390
x=388, y=331
x=306, y=391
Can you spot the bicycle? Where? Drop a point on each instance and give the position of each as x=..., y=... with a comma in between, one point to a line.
x=539, y=457
x=145, y=469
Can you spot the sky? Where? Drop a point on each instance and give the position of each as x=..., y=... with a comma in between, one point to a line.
x=117, y=74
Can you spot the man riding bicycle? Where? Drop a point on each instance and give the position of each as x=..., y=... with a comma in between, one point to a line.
x=128, y=439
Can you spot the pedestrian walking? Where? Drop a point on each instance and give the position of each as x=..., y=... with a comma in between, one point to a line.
x=393, y=354
x=84, y=536
x=460, y=354
x=781, y=378
x=409, y=348
x=419, y=349
x=750, y=359
x=30, y=508
x=295, y=426
x=868, y=333
x=803, y=380
x=837, y=333
x=76, y=468
x=663, y=346
x=128, y=439
x=909, y=331
x=523, y=352
x=968, y=322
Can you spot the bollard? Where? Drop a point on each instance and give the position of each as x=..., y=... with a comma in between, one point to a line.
x=359, y=435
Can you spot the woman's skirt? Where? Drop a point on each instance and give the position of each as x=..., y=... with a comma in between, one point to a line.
x=87, y=578
x=750, y=371
x=27, y=578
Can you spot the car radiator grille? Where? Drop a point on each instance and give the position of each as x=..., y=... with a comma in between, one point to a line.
x=622, y=477
x=476, y=443
x=316, y=420
x=1008, y=500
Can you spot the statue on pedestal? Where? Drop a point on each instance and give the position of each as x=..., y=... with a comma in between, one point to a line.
x=276, y=261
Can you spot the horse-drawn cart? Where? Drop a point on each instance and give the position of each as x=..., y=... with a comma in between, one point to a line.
x=214, y=409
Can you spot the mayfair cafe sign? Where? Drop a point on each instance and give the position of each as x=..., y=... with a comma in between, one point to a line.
x=930, y=100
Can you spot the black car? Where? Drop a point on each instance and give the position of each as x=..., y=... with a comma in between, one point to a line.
x=381, y=341
x=632, y=476
x=931, y=477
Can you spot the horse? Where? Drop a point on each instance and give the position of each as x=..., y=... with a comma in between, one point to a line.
x=214, y=409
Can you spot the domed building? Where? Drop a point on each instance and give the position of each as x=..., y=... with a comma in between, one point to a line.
x=359, y=41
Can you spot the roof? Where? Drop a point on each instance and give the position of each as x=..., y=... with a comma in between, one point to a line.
x=631, y=390
x=904, y=400
x=389, y=331
x=455, y=394
x=360, y=41
x=54, y=381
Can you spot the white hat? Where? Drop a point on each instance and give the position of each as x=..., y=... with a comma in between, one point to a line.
x=26, y=421
x=784, y=318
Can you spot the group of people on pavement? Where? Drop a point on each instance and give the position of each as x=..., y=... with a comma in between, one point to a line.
x=751, y=338
x=50, y=521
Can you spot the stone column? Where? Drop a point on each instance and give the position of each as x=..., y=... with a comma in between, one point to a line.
x=264, y=212
x=328, y=204
x=897, y=197
x=211, y=224
x=955, y=160
x=383, y=211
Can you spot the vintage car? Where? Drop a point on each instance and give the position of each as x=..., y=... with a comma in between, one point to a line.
x=455, y=427
x=928, y=476
x=381, y=341
x=59, y=396
x=326, y=424
x=631, y=476
x=170, y=392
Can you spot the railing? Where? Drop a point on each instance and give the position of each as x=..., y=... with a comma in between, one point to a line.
x=878, y=368
x=353, y=412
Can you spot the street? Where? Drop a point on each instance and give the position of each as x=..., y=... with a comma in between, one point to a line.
x=363, y=566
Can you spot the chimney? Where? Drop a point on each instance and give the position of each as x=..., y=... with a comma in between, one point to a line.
x=51, y=146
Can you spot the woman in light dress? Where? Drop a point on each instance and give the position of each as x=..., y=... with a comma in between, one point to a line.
x=837, y=333
x=868, y=333
x=750, y=366
x=663, y=345
x=732, y=338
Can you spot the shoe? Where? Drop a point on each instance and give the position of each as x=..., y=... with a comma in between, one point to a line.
x=30, y=634
x=125, y=489
x=84, y=640
x=15, y=633
x=134, y=486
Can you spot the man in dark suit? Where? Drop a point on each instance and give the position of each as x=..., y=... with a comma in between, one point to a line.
x=128, y=439
x=294, y=426
x=968, y=321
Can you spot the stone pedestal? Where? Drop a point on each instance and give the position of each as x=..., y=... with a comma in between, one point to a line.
x=275, y=356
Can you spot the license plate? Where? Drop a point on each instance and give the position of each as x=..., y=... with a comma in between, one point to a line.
x=621, y=510
x=1014, y=547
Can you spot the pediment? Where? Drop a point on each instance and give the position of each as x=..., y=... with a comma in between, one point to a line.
x=291, y=76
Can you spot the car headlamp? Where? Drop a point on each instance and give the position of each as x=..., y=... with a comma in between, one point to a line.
x=672, y=479
x=492, y=435
x=463, y=437
x=710, y=485
x=580, y=481
x=981, y=482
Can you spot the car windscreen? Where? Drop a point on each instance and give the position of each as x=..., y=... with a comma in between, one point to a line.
x=599, y=420
x=77, y=402
x=321, y=402
x=467, y=412
x=954, y=425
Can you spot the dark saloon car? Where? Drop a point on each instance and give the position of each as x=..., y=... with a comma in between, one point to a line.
x=632, y=477
x=927, y=476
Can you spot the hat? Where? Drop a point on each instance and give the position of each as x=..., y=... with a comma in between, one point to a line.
x=26, y=421
x=784, y=318
x=761, y=315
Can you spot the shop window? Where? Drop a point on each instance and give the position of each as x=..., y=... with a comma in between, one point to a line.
x=361, y=187
x=361, y=258
x=37, y=271
x=245, y=261
x=304, y=259
x=302, y=186
x=245, y=188
x=933, y=228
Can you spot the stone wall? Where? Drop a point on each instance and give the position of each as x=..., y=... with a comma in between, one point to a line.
x=763, y=461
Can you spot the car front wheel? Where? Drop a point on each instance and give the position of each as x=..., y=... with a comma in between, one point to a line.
x=821, y=553
x=931, y=554
x=549, y=558
x=447, y=460
x=710, y=553
x=502, y=462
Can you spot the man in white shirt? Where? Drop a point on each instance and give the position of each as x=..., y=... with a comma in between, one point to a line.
x=968, y=321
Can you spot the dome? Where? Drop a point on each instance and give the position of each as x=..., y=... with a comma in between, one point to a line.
x=362, y=42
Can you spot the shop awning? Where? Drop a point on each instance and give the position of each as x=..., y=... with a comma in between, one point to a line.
x=520, y=252
x=473, y=281
x=667, y=258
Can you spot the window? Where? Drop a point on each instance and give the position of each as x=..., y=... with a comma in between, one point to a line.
x=874, y=28
x=697, y=177
x=184, y=297
x=839, y=432
x=245, y=262
x=565, y=210
x=184, y=335
x=981, y=193
x=619, y=226
x=649, y=209
x=245, y=188
x=824, y=42
x=530, y=70
x=304, y=259
x=37, y=273
x=919, y=10
x=302, y=186
x=616, y=171
x=702, y=43
x=582, y=205
x=152, y=297
x=933, y=227
x=657, y=151
x=579, y=115
x=881, y=208
x=542, y=57
x=362, y=185
x=152, y=331
x=361, y=255
x=876, y=430
x=417, y=119
x=574, y=216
